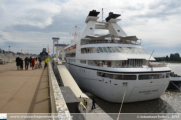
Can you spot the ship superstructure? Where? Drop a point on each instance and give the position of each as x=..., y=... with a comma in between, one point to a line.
x=107, y=65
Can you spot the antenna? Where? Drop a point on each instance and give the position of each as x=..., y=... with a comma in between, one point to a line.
x=150, y=57
x=75, y=34
x=102, y=14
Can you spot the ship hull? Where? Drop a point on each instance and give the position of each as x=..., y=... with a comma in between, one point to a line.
x=113, y=90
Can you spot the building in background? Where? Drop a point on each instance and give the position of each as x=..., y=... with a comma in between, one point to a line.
x=1, y=51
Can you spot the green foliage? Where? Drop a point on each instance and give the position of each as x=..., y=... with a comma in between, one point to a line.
x=173, y=57
x=167, y=58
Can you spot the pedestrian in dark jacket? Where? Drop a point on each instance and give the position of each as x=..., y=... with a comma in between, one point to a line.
x=21, y=63
x=40, y=60
x=26, y=63
x=93, y=103
x=18, y=63
x=30, y=61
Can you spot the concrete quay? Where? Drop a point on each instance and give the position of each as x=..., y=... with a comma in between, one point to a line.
x=24, y=91
x=37, y=91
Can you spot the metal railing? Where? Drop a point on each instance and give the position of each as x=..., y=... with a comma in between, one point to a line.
x=6, y=58
x=123, y=50
x=109, y=42
x=105, y=64
x=157, y=64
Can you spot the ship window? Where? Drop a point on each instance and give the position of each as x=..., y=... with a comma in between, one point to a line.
x=108, y=48
x=120, y=49
x=151, y=76
x=113, y=49
x=117, y=77
x=144, y=77
x=118, y=30
x=83, y=61
x=99, y=73
x=127, y=50
x=125, y=77
x=135, y=50
x=91, y=28
x=167, y=75
x=105, y=50
x=141, y=50
x=109, y=76
x=117, y=49
x=100, y=49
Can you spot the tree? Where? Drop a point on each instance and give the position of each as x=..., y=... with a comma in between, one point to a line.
x=167, y=58
x=177, y=57
x=171, y=57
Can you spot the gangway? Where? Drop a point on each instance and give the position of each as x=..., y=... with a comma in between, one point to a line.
x=68, y=80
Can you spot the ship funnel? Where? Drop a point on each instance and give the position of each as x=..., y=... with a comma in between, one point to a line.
x=92, y=16
x=93, y=13
x=112, y=15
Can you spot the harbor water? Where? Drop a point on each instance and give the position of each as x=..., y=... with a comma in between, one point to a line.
x=169, y=102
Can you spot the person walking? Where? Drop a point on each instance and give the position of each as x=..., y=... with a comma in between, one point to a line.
x=30, y=61
x=93, y=103
x=21, y=63
x=40, y=60
x=46, y=61
x=26, y=63
x=33, y=63
x=18, y=63
x=84, y=102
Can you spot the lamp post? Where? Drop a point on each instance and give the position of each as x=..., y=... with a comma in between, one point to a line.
x=9, y=54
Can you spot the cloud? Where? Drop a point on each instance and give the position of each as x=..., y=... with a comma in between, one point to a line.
x=162, y=9
x=34, y=22
x=1, y=11
x=38, y=15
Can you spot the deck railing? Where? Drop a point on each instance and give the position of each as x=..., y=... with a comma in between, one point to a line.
x=157, y=64
x=109, y=42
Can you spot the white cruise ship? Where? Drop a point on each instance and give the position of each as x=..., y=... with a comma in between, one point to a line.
x=107, y=65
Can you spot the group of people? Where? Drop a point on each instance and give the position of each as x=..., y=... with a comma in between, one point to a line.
x=30, y=61
x=84, y=102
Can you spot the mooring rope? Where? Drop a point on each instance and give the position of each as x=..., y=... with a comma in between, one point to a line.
x=121, y=104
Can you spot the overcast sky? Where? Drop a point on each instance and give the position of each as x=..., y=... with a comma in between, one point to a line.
x=28, y=25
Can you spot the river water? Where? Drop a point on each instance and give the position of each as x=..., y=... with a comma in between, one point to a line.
x=169, y=102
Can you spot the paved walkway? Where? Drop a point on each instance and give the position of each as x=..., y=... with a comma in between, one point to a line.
x=23, y=91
